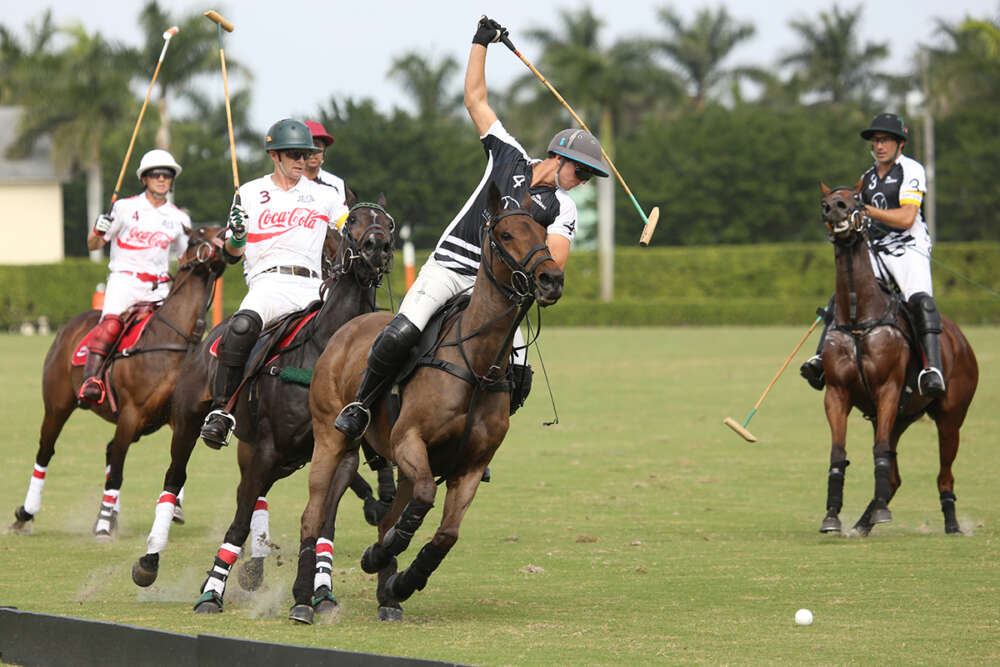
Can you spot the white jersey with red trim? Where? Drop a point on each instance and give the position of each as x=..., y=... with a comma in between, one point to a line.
x=286, y=227
x=143, y=236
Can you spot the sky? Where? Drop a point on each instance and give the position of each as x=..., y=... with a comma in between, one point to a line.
x=303, y=52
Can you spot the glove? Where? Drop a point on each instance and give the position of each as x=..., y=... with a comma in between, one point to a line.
x=102, y=224
x=238, y=219
x=487, y=31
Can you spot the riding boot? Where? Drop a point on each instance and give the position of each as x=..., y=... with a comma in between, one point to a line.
x=234, y=349
x=92, y=390
x=389, y=351
x=812, y=369
x=928, y=323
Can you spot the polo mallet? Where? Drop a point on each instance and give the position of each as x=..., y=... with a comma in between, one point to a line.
x=223, y=24
x=128, y=154
x=654, y=214
x=742, y=430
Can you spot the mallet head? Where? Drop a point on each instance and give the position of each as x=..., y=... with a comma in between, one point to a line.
x=170, y=32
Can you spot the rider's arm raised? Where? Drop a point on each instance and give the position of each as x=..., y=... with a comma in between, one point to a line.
x=475, y=91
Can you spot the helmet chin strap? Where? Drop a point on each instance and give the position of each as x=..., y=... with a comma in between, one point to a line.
x=562, y=160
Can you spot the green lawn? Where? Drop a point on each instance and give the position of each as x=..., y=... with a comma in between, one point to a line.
x=638, y=530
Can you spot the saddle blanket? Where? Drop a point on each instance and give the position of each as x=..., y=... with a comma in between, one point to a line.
x=285, y=342
x=125, y=343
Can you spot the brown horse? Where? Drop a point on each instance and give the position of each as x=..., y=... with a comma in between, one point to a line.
x=870, y=361
x=143, y=378
x=454, y=415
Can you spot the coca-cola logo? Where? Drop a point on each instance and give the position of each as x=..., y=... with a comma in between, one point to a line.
x=137, y=239
x=297, y=217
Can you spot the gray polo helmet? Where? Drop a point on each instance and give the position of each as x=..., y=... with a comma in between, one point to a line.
x=888, y=123
x=580, y=146
x=289, y=133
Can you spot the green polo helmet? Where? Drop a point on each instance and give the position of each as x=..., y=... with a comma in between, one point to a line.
x=580, y=146
x=287, y=134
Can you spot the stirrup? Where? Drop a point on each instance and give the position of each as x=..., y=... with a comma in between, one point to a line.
x=89, y=382
x=931, y=372
x=347, y=415
x=224, y=417
x=816, y=379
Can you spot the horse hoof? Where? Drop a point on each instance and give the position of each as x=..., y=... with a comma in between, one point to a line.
x=178, y=517
x=324, y=602
x=390, y=613
x=862, y=529
x=142, y=576
x=952, y=529
x=881, y=516
x=375, y=510
x=302, y=613
x=373, y=557
x=103, y=537
x=831, y=524
x=251, y=574
x=209, y=603
x=20, y=528
x=392, y=586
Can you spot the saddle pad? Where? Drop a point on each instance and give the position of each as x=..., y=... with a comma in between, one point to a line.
x=282, y=344
x=125, y=342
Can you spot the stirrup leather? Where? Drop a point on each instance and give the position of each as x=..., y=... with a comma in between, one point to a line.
x=223, y=416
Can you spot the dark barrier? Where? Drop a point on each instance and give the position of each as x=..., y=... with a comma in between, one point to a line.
x=28, y=638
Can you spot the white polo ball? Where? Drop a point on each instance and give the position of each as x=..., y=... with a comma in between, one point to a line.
x=803, y=617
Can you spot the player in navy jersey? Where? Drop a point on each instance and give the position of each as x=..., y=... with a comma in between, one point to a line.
x=892, y=191
x=574, y=156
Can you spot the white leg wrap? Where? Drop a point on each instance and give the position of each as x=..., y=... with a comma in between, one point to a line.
x=260, y=533
x=107, y=473
x=157, y=540
x=33, y=499
x=108, y=504
x=180, y=496
x=324, y=564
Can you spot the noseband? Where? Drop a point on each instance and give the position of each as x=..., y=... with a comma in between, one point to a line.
x=522, y=277
x=351, y=250
x=846, y=225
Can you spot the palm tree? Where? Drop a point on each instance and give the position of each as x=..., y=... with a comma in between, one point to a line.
x=193, y=51
x=698, y=49
x=427, y=83
x=77, y=96
x=17, y=59
x=830, y=59
x=967, y=69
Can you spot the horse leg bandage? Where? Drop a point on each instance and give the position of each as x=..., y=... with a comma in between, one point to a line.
x=398, y=537
x=33, y=499
x=260, y=536
x=158, y=534
x=324, y=564
x=883, y=490
x=414, y=578
x=224, y=560
x=107, y=475
x=109, y=503
x=835, y=486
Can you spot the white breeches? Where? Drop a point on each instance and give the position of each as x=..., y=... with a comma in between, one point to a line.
x=911, y=270
x=123, y=291
x=272, y=295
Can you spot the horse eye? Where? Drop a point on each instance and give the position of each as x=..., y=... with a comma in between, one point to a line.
x=506, y=236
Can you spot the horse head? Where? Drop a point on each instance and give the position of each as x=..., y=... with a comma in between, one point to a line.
x=518, y=260
x=204, y=251
x=843, y=213
x=364, y=243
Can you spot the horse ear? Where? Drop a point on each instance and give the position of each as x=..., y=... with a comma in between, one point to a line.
x=381, y=199
x=493, y=198
x=350, y=199
x=826, y=190
x=859, y=185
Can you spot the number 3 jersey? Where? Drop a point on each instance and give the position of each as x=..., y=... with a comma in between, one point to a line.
x=904, y=183
x=286, y=227
x=509, y=167
x=142, y=236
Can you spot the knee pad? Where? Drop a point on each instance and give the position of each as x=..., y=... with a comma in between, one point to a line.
x=521, y=376
x=924, y=309
x=108, y=329
x=239, y=338
x=393, y=344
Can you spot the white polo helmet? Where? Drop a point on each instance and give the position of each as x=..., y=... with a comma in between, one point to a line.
x=157, y=158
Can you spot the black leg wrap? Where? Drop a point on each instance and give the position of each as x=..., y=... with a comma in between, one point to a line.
x=835, y=486
x=302, y=590
x=398, y=537
x=414, y=578
x=948, y=509
x=883, y=491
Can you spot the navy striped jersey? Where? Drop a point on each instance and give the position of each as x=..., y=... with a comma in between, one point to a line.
x=509, y=167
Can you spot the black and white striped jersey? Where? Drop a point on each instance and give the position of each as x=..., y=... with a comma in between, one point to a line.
x=509, y=167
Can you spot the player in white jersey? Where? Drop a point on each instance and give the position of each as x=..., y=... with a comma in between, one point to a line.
x=315, y=172
x=892, y=191
x=143, y=231
x=573, y=157
x=278, y=227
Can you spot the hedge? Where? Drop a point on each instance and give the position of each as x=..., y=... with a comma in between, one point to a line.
x=708, y=285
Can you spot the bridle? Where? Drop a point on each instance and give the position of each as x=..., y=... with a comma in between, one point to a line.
x=846, y=224
x=521, y=287
x=350, y=249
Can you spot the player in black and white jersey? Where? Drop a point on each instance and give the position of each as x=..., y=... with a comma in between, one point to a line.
x=892, y=191
x=574, y=156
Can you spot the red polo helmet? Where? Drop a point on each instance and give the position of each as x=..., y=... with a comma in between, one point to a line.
x=319, y=132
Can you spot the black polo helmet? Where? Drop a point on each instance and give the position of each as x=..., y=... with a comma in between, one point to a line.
x=889, y=123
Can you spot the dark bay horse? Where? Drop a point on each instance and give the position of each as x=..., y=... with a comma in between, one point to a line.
x=277, y=440
x=454, y=415
x=870, y=361
x=143, y=380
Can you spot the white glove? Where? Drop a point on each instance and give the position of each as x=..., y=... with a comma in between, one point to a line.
x=102, y=224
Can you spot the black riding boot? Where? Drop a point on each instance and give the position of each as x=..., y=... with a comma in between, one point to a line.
x=928, y=323
x=234, y=348
x=812, y=369
x=390, y=349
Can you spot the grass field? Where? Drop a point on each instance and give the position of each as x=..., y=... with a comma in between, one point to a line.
x=638, y=530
